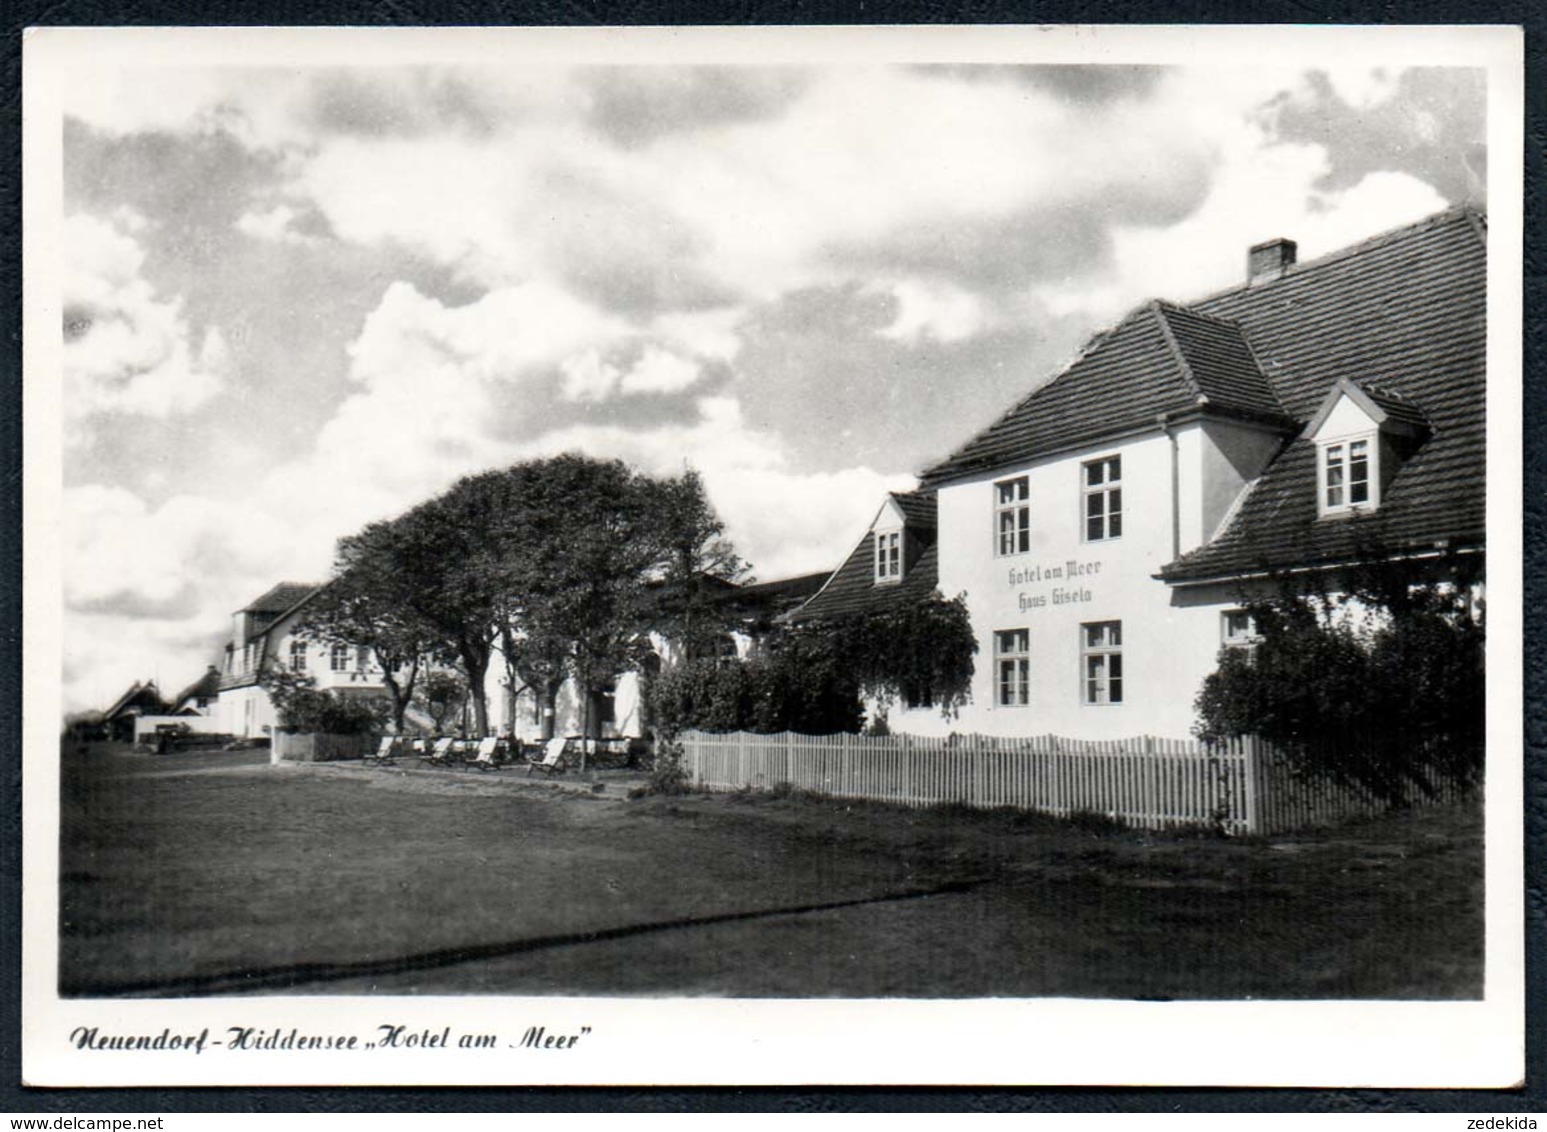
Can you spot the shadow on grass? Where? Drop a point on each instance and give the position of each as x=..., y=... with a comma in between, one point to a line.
x=294, y=975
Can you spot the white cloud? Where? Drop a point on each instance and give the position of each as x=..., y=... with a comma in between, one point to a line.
x=587, y=377
x=126, y=350
x=1261, y=190
x=151, y=589
x=782, y=520
x=701, y=333
x=504, y=335
x=929, y=309
x=1364, y=87
x=277, y=224
x=660, y=371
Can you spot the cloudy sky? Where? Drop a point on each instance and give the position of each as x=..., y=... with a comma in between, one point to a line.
x=296, y=300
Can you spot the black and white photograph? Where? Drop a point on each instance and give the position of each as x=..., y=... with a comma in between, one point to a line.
x=773, y=555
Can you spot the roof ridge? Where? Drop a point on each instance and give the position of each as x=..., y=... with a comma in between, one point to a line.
x=1093, y=343
x=1375, y=389
x=1190, y=379
x=1173, y=307
x=1469, y=212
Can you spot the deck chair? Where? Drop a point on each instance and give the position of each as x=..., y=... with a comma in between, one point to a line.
x=385, y=753
x=553, y=761
x=440, y=753
x=485, y=759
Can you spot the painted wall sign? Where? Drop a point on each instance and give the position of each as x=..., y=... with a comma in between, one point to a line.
x=1058, y=595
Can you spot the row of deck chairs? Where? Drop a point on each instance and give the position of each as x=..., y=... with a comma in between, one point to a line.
x=446, y=751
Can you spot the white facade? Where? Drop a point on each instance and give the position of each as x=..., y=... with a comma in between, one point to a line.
x=244, y=708
x=1076, y=634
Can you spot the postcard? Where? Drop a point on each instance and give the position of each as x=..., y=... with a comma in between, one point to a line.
x=847, y=555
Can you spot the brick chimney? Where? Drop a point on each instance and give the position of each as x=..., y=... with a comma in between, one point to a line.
x=1268, y=261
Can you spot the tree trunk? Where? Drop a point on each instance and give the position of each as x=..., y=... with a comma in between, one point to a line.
x=402, y=695
x=475, y=659
x=550, y=707
x=583, y=686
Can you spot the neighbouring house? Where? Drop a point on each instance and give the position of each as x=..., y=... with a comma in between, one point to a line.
x=200, y=697
x=1106, y=529
x=265, y=632
x=137, y=700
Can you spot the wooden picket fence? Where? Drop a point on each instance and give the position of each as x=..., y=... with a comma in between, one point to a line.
x=1240, y=787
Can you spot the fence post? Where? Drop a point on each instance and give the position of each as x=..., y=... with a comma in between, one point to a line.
x=907, y=770
x=741, y=759
x=1251, y=766
x=844, y=762
x=789, y=757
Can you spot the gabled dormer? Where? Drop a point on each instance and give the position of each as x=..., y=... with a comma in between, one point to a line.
x=888, y=535
x=1362, y=435
x=900, y=532
x=894, y=561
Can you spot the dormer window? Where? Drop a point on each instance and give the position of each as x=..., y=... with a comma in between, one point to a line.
x=889, y=556
x=1347, y=483
x=1362, y=435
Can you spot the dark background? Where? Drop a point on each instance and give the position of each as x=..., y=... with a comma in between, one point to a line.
x=1532, y=1098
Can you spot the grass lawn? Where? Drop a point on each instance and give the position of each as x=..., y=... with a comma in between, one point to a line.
x=198, y=874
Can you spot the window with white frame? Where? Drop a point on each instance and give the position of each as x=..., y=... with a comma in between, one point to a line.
x=297, y=656
x=362, y=658
x=1346, y=475
x=1101, y=661
x=1012, y=515
x=338, y=658
x=1238, y=630
x=1103, y=498
x=889, y=556
x=1012, y=664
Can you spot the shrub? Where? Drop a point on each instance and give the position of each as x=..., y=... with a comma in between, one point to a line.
x=794, y=686
x=302, y=707
x=1385, y=702
x=668, y=775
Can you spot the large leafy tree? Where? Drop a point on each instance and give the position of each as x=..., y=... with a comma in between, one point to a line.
x=436, y=570
x=562, y=562
x=697, y=565
x=594, y=543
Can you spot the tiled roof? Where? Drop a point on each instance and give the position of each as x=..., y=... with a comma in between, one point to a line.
x=282, y=598
x=1220, y=362
x=1396, y=407
x=778, y=592
x=205, y=687
x=919, y=509
x=144, y=696
x=1403, y=316
x=852, y=588
x=1160, y=359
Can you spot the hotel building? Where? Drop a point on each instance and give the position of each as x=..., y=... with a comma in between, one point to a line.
x=1105, y=530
